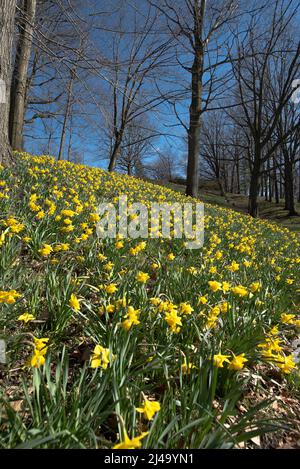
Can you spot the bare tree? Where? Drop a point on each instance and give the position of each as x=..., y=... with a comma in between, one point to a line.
x=214, y=148
x=289, y=148
x=66, y=113
x=136, y=143
x=19, y=83
x=258, y=56
x=194, y=24
x=57, y=58
x=135, y=72
x=163, y=167
x=7, y=18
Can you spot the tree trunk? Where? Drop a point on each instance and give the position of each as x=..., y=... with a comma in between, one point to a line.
x=266, y=188
x=289, y=186
x=196, y=103
x=67, y=113
x=232, y=180
x=254, y=186
x=238, y=176
x=286, y=178
x=299, y=183
x=70, y=140
x=7, y=18
x=281, y=185
x=270, y=195
x=224, y=177
x=114, y=154
x=221, y=186
x=19, y=79
x=49, y=143
x=270, y=182
x=252, y=205
x=194, y=132
x=276, y=189
x=262, y=187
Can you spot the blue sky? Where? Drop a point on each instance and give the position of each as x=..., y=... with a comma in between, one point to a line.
x=91, y=92
x=93, y=95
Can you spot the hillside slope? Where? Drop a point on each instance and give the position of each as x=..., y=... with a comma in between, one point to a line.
x=271, y=211
x=133, y=343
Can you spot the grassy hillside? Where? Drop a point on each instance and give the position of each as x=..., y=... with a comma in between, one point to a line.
x=238, y=202
x=128, y=343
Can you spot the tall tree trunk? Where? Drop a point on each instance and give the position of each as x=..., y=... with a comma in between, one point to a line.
x=262, y=187
x=299, y=183
x=281, y=185
x=115, y=152
x=276, y=189
x=271, y=192
x=194, y=131
x=221, y=183
x=67, y=114
x=70, y=140
x=19, y=78
x=232, y=180
x=225, y=178
x=289, y=186
x=266, y=187
x=221, y=186
x=254, y=185
x=286, y=178
x=49, y=143
x=7, y=19
x=238, y=176
x=270, y=197
x=196, y=102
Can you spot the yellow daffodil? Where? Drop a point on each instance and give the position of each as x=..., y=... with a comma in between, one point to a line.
x=174, y=321
x=187, y=368
x=128, y=443
x=149, y=409
x=46, y=250
x=100, y=357
x=26, y=317
x=74, y=302
x=214, y=285
x=220, y=359
x=111, y=288
x=9, y=297
x=237, y=362
x=142, y=277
